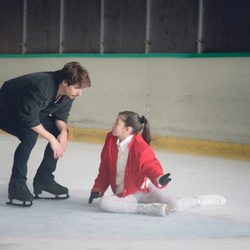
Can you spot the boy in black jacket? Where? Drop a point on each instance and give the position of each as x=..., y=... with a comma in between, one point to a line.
x=39, y=104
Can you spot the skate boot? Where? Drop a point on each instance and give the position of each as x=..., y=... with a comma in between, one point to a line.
x=155, y=209
x=19, y=195
x=210, y=200
x=57, y=191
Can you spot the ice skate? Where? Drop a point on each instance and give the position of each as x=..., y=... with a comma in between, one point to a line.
x=155, y=209
x=211, y=200
x=54, y=191
x=19, y=195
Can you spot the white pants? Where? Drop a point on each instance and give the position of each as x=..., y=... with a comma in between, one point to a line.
x=130, y=203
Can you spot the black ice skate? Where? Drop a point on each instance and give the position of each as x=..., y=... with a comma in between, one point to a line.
x=57, y=191
x=19, y=195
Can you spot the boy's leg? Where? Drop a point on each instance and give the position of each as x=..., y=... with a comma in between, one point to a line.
x=17, y=185
x=44, y=178
x=48, y=164
x=28, y=140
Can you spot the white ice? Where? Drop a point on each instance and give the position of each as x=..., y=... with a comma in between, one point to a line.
x=73, y=224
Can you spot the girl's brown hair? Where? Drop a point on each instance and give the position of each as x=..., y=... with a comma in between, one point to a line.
x=137, y=123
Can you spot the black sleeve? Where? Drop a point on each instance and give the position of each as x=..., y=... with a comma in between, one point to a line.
x=63, y=113
x=32, y=101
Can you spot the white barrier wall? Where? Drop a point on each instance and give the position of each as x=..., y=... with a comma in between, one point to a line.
x=199, y=98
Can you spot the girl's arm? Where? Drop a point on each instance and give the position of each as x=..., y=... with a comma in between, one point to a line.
x=152, y=169
x=102, y=180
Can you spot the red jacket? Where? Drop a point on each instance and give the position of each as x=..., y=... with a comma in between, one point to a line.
x=141, y=164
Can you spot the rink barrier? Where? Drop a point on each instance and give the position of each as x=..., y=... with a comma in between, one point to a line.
x=172, y=144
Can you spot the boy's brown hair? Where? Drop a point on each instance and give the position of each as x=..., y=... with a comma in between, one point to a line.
x=74, y=73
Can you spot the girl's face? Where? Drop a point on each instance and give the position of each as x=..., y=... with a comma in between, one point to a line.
x=120, y=130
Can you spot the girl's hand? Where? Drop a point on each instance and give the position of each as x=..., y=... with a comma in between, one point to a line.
x=164, y=180
x=94, y=195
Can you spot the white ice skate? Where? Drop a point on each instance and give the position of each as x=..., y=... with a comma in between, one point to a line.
x=211, y=200
x=155, y=209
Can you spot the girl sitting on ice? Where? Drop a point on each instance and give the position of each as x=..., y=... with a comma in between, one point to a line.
x=135, y=175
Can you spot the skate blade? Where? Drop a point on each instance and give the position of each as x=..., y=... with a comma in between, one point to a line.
x=51, y=197
x=18, y=203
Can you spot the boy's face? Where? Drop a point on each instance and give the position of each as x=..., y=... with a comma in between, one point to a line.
x=72, y=91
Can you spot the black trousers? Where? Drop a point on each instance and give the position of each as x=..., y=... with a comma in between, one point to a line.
x=28, y=139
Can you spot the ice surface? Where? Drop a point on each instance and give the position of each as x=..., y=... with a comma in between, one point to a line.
x=73, y=224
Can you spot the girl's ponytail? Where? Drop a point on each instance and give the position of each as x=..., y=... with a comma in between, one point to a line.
x=137, y=123
x=146, y=133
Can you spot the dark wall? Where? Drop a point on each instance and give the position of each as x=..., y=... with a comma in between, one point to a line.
x=226, y=26
x=124, y=26
x=11, y=18
x=43, y=26
x=81, y=26
x=174, y=26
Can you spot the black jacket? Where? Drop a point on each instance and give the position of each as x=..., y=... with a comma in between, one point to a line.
x=31, y=97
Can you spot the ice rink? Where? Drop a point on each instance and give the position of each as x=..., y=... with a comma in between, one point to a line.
x=73, y=224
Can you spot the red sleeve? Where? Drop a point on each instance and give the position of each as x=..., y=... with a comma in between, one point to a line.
x=151, y=166
x=102, y=181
